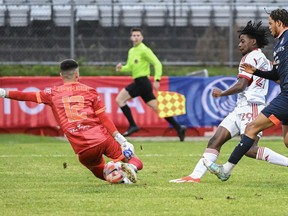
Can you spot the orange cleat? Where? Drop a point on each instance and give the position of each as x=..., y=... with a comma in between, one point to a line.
x=186, y=179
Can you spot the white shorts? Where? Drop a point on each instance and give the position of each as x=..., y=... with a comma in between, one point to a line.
x=237, y=120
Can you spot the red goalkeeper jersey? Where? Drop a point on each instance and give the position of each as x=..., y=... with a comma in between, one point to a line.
x=75, y=107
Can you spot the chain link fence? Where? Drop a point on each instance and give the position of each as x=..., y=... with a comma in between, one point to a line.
x=97, y=31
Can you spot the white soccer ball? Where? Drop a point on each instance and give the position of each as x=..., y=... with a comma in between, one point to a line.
x=113, y=173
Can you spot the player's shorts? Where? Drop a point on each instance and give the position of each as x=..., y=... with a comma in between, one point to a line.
x=94, y=156
x=141, y=87
x=237, y=120
x=276, y=111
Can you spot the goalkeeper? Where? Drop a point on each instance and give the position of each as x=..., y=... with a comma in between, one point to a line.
x=81, y=115
x=140, y=57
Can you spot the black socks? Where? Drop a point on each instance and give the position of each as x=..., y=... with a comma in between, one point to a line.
x=240, y=150
x=127, y=112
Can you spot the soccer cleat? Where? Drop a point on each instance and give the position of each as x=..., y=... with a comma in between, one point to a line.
x=131, y=130
x=181, y=133
x=216, y=169
x=186, y=179
x=129, y=172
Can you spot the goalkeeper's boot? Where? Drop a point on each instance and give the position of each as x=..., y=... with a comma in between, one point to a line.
x=186, y=179
x=129, y=172
x=216, y=170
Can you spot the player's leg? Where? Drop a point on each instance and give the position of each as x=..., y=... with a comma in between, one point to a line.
x=121, y=100
x=130, y=166
x=252, y=129
x=93, y=159
x=249, y=113
x=181, y=130
x=266, y=154
x=221, y=136
x=227, y=129
x=285, y=132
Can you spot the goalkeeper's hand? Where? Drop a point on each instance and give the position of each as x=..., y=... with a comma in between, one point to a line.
x=3, y=93
x=127, y=148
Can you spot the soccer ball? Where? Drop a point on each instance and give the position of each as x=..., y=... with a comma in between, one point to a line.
x=113, y=173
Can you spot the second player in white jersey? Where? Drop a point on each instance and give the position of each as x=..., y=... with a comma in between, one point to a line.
x=252, y=100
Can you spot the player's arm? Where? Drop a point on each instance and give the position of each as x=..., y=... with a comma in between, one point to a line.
x=271, y=75
x=99, y=109
x=238, y=87
x=127, y=66
x=152, y=59
x=21, y=96
x=127, y=148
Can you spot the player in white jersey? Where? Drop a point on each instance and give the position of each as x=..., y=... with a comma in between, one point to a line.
x=251, y=100
x=251, y=92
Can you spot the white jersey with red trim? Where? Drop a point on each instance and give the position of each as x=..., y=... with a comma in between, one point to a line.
x=257, y=87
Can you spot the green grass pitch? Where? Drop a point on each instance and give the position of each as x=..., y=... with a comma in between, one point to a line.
x=42, y=176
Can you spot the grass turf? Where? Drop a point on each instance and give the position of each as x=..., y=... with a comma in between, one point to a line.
x=34, y=182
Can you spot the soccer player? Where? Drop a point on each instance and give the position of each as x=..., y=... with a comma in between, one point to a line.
x=140, y=57
x=251, y=92
x=276, y=111
x=81, y=115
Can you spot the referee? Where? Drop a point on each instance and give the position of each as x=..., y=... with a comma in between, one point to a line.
x=140, y=57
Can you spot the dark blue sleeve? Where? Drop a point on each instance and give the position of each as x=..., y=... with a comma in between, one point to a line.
x=271, y=75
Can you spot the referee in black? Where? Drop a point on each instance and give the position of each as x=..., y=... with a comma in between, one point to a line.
x=140, y=57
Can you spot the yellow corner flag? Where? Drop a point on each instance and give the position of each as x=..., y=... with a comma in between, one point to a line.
x=170, y=104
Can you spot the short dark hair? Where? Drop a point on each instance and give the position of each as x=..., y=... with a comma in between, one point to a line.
x=68, y=65
x=255, y=31
x=281, y=15
x=136, y=29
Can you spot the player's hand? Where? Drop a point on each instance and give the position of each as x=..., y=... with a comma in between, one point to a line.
x=156, y=85
x=118, y=67
x=216, y=92
x=247, y=68
x=3, y=93
x=127, y=150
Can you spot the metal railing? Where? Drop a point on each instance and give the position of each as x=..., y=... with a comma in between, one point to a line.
x=97, y=32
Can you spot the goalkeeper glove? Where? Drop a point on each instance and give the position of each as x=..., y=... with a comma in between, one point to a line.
x=3, y=93
x=127, y=148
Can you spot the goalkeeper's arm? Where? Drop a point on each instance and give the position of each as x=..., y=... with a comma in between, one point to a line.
x=127, y=148
x=18, y=95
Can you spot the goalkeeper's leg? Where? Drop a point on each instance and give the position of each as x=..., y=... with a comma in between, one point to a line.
x=92, y=162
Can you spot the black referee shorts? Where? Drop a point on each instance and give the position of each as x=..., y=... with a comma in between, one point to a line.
x=141, y=87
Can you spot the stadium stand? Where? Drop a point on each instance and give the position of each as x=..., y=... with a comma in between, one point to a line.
x=87, y=13
x=179, y=15
x=18, y=15
x=171, y=27
x=40, y=12
x=155, y=15
x=201, y=15
x=2, y=15
x=62, y=15
x=109, y=15
x=244, y=12
x=132, y=15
